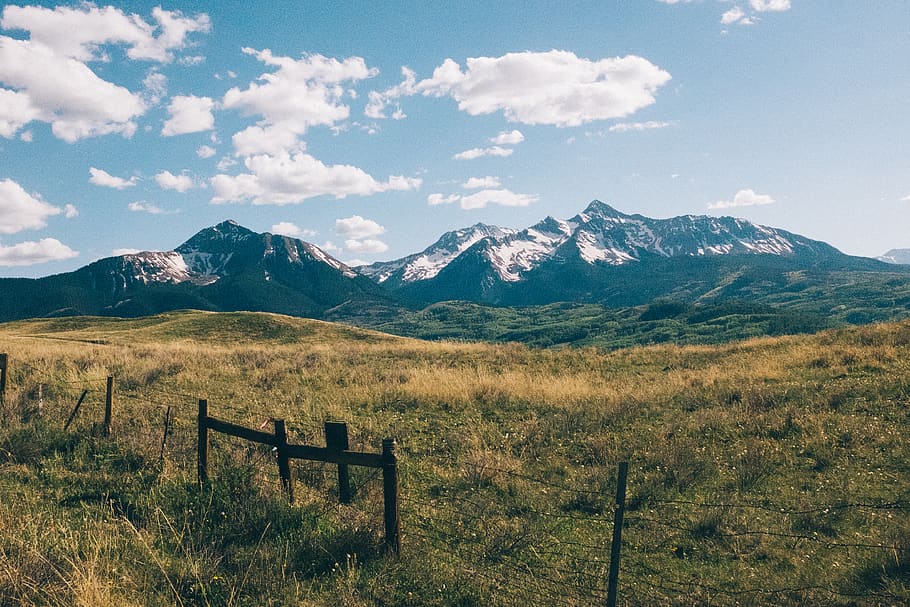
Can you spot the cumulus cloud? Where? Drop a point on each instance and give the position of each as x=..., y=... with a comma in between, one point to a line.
x=476, y=183
x=189, y=114
x=360, y=235
x=272, y=140
x=554, y=87
x=46, y=78
x=32, y=253
x=481, y=152
x=70, y=211
x=508, y=138
x=481, y=199
x=625, y=127
x=20, y=210
x=81, y=32
x=64, y=92
x=290, y=178
x=357, y=227
x=743, y=198
x=105, y=179
x=168, y=181
x=906, y=198
x=299, y=94
x=205, y=151
x=286, y=228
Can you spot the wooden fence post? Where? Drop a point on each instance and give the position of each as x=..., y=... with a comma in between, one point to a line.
x=616, y=545
x=167, y=427
x=108, y=406
x=284, y=465
x=72, y=416
x=336, y=438
x=202, y=466
x=4, y=361
x=390, y=496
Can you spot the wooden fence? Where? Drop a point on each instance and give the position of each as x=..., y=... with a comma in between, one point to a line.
x=335, y=452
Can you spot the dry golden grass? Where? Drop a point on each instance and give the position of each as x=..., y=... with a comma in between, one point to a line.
x=799, y=422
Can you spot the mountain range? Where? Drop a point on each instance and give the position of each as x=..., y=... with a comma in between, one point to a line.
x=599, y=256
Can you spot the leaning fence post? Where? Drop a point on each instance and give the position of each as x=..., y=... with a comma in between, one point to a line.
x=390, y=496
x=284, y=465
x=203, y=446
x=72, y=416
x=336, y=439
x=108, y=406
x=616, y=545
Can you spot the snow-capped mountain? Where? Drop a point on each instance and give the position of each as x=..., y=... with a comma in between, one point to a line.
x=224, y=267
x=598, y=235
x=428, y=263
x=898, y=256
x=216, y=252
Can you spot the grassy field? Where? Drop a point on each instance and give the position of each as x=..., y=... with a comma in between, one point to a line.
x=765, y=472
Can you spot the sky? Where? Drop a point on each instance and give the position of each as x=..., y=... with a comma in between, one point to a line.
x=370, y=128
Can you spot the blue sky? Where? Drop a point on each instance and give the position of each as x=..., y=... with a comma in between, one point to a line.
x=371, y=128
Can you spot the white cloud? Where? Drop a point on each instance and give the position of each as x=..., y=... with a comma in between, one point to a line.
x=80, y=33
x=16, y=110
x=368, y=245
x=358, y=228
x=624, y=127
x=64, y=92
x=144, y=207
x=480, y=152
x=437, y=199
x=554, y=87
x=31, y=253
x=189, y=114
x=769, y=5
x=26, y=136
x=743, y=198
x=292, y=178
x=736, y=15
x=481, y=199
x=105, y=179
x=508, y=138
x=476, y=183
x=51, y=81
x=155, y=84
x=168, y=181
x=70, y=211
x=378, y=101
x=272, y=140
x=205, y=151
x=501, y=197
x=121, y=252
x=359, y=235
x=286, y=228
x=300, y=93
x=20, y=210
x=906, y=198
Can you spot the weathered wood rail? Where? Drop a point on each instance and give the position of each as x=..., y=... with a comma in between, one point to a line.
x=336, y=452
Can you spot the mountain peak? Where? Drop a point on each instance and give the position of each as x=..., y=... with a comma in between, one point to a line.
x=217, y=238
x=602, y=209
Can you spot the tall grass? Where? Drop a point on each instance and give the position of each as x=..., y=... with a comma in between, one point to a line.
x=508, y=464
